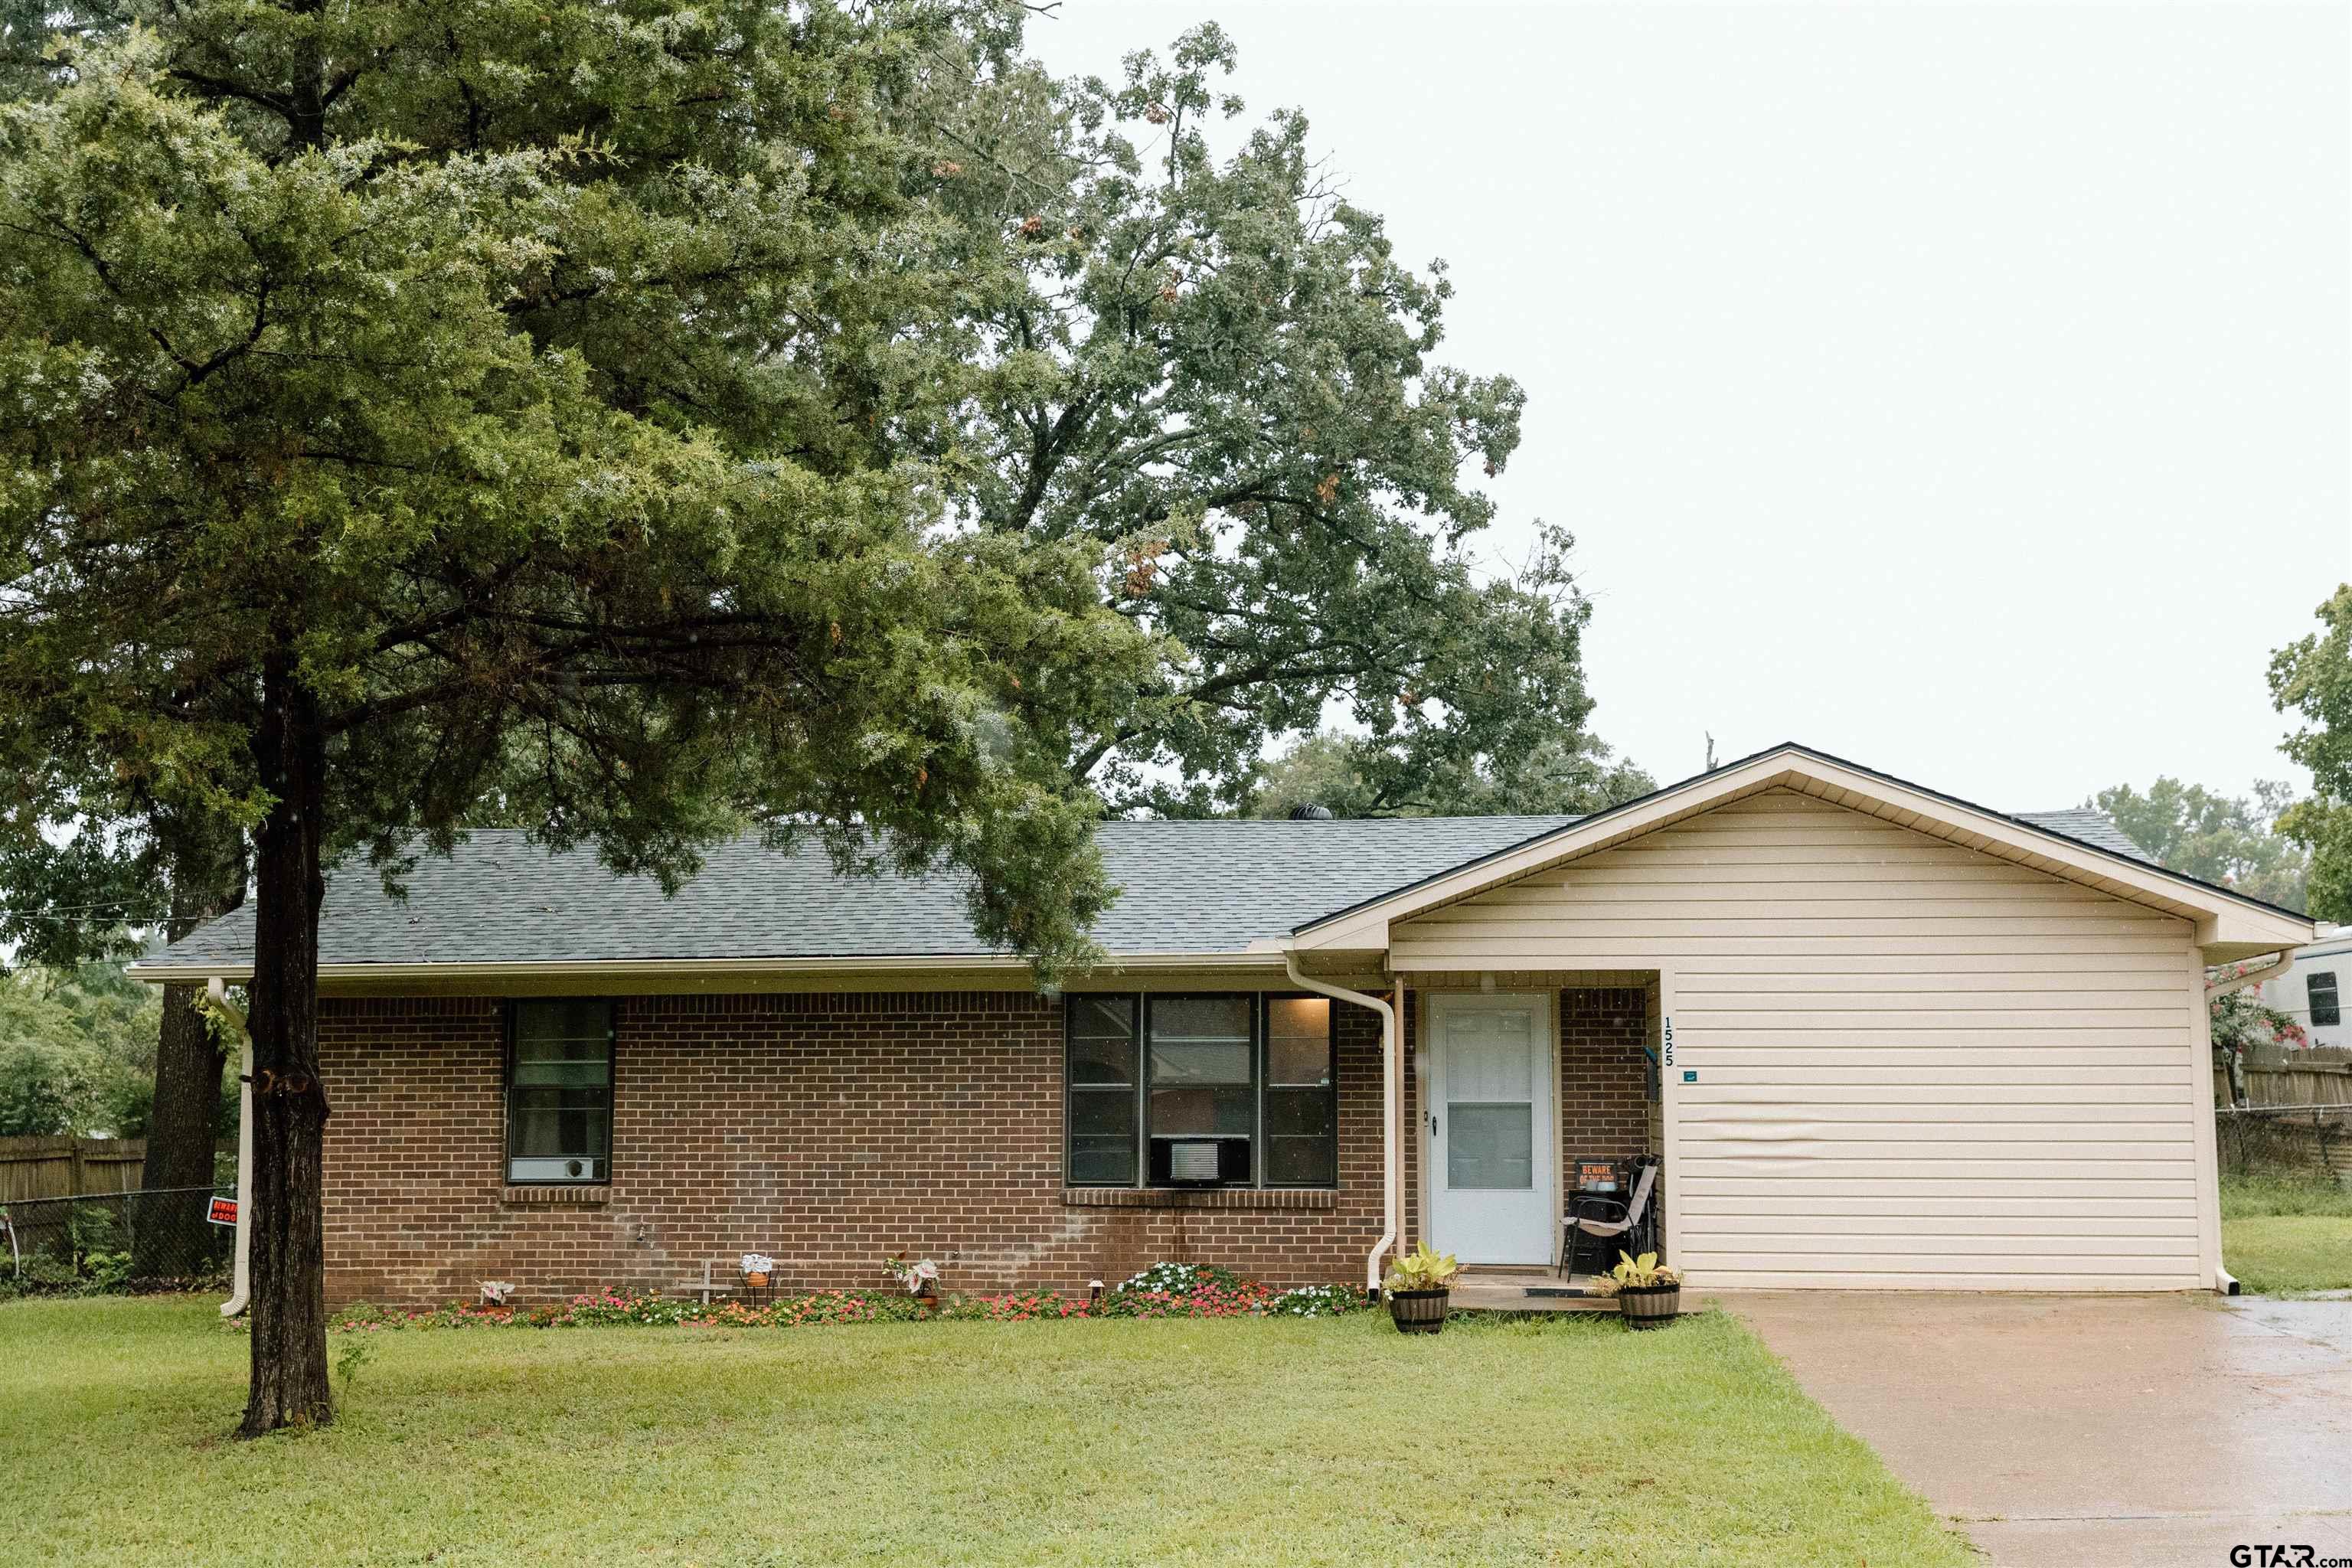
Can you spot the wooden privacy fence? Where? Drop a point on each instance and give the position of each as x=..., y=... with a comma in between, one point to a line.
x=2297, y=1120
x=2277, y=1076
x=69, y=1167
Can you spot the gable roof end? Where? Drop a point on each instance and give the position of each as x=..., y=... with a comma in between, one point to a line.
x=2229, y=924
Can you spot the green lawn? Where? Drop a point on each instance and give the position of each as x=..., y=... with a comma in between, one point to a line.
x=915, y=1443
x=2279, y=1237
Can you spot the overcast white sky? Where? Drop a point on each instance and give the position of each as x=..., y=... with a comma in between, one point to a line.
x=1965, y=390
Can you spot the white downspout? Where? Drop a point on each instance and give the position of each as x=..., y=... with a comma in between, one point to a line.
x=2278, y=965
x=1392, y=1106
x=2224, y=1283
x=216, y=994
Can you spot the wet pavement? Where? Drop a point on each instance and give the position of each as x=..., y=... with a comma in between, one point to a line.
x=2091, y=1430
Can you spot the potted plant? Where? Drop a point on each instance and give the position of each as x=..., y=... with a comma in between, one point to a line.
x=1419, y=1286
x=922, y=1279
x=758, y=1270
x=1649, y=1294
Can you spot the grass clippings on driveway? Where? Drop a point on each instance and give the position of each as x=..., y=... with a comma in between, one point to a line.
x=1094, y=1443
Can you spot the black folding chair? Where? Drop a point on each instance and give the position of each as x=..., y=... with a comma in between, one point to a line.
x=1612, y=1225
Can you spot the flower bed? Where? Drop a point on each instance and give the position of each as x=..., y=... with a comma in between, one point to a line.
x=1163, y=1290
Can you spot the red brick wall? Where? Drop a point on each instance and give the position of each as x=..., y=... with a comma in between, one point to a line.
x=1603, y=1074
x=829, y=1130
x=824, y=1130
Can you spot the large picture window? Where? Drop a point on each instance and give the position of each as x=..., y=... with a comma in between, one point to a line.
x=560, y=1091
x=1233, y=1091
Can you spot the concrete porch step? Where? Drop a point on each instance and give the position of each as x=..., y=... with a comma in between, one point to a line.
x=1524, y=1291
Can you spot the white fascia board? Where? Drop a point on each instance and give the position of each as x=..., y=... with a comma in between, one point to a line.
x=2221, y=917
x=699, y=969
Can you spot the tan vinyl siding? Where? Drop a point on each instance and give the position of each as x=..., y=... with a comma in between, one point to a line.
x=1919, y=1066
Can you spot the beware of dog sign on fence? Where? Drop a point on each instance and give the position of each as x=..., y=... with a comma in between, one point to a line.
x=221, y=1211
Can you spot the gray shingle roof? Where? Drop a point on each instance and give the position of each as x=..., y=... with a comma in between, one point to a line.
x=2092, y=826
x=1189, y=887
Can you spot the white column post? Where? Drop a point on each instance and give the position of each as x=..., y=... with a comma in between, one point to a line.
x=1669, y=1121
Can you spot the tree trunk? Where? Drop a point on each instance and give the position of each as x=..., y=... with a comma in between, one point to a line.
x=203, y=862
x=288, y=1304
x=171, y=1237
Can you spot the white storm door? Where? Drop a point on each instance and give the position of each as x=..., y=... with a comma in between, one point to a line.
x=1489, y=1120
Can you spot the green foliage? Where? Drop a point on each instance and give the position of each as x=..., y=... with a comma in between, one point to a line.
x=1314, y=1301
x=1421, y=1270
x=1219, y=371
x=709, y=1446
x=2215, y=837
x=1178, y=1279
x=458, y=393
x=596, y=462
x=2324, y=826
x=1642, y=1273
x=43, y=1274
x=2241, y=1018
x=349, y=1361
x=90, y=1254
x=1357, y=776
x=77, y=1052
x=2286, y=1234
x=2252, y=1197
x=2312, y=680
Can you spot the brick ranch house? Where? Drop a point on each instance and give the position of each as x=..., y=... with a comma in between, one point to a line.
x=1881, y=1038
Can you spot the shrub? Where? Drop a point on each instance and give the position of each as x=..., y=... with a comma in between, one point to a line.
x=1314, y=1301
x=609, y=1309
x=1163, y=1290
x=1015, y=1308
x=1178, y=1279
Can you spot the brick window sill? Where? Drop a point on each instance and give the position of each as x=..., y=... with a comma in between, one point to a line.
x=1199, y=1198
x=557, y=1197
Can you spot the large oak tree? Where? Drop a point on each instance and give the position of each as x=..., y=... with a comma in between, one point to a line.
x=1218, y=368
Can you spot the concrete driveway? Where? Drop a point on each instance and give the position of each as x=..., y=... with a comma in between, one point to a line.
x=2091, y=1430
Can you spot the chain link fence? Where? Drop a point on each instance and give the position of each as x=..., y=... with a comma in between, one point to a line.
x=100, y=1243
x=2294, y=1143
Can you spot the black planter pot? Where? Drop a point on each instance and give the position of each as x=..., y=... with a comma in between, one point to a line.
x=1419, y=1311
x=1649, y=1306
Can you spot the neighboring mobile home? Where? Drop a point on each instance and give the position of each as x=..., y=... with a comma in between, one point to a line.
x=2310, y=989
x=1880, y=1037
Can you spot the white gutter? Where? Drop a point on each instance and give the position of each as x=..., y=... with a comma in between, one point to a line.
x=216, y=994
x=240, y=971
x=2275, y=967
x=1392, y=1106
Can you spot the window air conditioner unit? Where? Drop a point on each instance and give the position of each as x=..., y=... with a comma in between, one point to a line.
x=557, y=1168
x=1192, y=1161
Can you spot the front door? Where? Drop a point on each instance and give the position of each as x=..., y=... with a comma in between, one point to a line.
x=1490, y=1128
